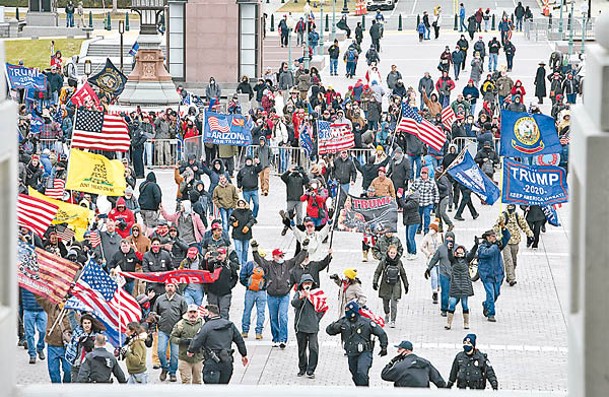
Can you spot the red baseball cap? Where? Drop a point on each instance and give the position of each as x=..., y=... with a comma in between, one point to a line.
x=216, y=226
x=221, y=250
x=278, y=252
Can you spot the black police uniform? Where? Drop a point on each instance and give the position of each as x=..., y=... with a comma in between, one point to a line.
x=98, y=367
x=215, y=338
x=472, y=371
x=412, y=371
x=358, y=344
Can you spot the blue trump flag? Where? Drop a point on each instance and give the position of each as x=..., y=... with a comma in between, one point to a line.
x=525, y=134
x=534, y=184
x=22, y=77
x=306, y=141
x=551, y=215
x=224, y=129
x=465, y=171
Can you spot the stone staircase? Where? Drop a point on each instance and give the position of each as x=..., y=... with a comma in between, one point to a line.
x=98, y=50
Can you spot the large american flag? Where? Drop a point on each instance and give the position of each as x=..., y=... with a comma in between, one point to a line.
x=56, y=192
x=218, y=124
x=334, y=137
x=35, y=214
x=43, y=273
x=413, y=123
x=319, y=300
x=98, y=131
x=96, y=290
x=448, y=117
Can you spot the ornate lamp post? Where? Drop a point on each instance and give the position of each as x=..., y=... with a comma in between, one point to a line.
x=121, y=31
x=333, y=20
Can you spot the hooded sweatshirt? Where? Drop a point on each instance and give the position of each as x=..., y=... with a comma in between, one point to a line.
x=306, y=319
x=441, y=256
x=150, y=194
x=124, y=217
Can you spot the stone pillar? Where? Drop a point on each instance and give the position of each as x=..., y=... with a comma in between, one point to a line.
x=589, y=173
x=42, y=13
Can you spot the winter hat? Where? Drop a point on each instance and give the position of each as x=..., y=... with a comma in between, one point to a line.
x=352, y=309
x=425, y=169
x=434, y=226
x=192, y=252
x=350, y=273
x=129, y=190
x=471, y=338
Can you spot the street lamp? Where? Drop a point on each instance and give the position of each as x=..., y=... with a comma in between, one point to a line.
x=571, y=31
x=307, y=10
x=121, y=31
x=345, y=8
x=88, y=68
x=560, y=23
x=321, y=30
x=333, y=20
x=149, y=11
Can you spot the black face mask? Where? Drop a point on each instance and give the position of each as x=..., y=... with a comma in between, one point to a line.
x=511, y=210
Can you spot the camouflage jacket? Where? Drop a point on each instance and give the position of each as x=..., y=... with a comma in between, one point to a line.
x=513, y=222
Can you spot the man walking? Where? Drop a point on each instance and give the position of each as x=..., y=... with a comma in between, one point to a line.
x=409, y=370
x=334, y=51
x=247, y=181
x=34, y=320
x=343, y=170
x=225, y=199
x=99, y=365
x=253, y=278
x=149, y=200
x=471, y=368
x=490, y=269
x=514, y=222
x=182, y=334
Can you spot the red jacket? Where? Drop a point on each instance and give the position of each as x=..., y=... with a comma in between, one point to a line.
x=126, y=215
x=314, y=204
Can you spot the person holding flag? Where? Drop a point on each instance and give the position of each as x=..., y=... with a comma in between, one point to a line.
x=514, y=222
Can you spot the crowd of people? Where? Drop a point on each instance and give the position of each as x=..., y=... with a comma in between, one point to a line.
x=188, y=325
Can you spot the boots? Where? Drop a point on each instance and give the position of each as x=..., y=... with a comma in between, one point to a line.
x=364, y=255
x=465, y=320
x=449, y=320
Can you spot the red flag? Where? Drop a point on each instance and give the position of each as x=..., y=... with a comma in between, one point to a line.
x=43, y=273
x=319, y=300
x=448, y=117
x=35, y=214
x=56, y=192
x=183, y=276
x=85, y=96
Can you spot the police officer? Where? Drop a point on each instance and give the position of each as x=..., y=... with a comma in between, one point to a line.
x=99, y=365
x=409, y=370
x=356, y=332
x=215, y=338
x=471, y=368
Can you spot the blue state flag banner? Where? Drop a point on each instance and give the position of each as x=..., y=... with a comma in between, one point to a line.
x=524, y=134
x=534, y=184
x=467, y=173
x=225, y=129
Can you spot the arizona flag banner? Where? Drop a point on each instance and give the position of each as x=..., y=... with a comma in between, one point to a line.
x=534, y=184
x=466, y=172
x=224, y=129
x=43, y=273
x=524, y=134
x=94, y=173
x=71, y=214
x=334, y=137
x=183, y=276
x=367, y=215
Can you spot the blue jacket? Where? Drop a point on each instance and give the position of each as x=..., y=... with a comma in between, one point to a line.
x=246, y=272
x=28, y=301
x=490, y=264
x=46, y=163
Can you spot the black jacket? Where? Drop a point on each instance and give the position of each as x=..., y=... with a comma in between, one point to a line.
x=247, y=178
x=412, y=371
x=238, y=220
x=278, y=274
x=98, y=367
x=460, y=280
x=306, y=319
x=217, y=335
x=312, y=268
x=399, y=172
x=472, y=371
x=228, y=276
x=343, y=170
x=126, y=262
x=410, y=212
x=295, y=182
x=444, y=186
x=150, y=194
x=357, y=334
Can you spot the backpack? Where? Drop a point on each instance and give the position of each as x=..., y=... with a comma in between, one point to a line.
x=256, y=281
x=487, y=167
x=351, y=56
x=392, y=274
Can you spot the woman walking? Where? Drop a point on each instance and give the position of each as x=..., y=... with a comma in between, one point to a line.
x=412, y=220
x=386, y=281
x=460, y=283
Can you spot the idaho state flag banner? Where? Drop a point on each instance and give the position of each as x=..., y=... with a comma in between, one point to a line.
x=94, y=173
x=183, y=276
x=524, y=134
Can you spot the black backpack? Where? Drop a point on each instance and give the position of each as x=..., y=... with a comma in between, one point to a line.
x=392, y=274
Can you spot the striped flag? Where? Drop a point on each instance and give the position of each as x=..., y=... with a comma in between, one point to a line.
x=448, y=117
x=413, y=123
x=43, y=273
x=379, y=320
x=35, y=214
x=333, y=138
x=95, y=238
x=102, y=295
x=56, y=192
x=64, y=233
x=319, y=300
x=98, y=131
x=218, y=124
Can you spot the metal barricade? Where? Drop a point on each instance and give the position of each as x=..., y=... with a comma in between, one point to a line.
x=283, y=157
x=55, y=145
x=163, y=153
x=193, y=146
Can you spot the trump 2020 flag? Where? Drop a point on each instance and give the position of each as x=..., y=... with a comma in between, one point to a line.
x=525, y=134
x=534, y=184
x=465, y=171
x=334, y=137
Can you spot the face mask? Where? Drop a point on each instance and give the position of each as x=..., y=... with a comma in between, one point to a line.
x=280, y=261
x=468, y=348
x=187, y=207
x=511, y=210
x=155, y=249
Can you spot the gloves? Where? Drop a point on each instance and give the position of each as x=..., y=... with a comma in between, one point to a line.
x=383, y=352
x=375, y=286
x=245, y=229
x=427, y=274
x=305, y=243
x=254, y=244
x=185, y=341
x=449, y=385
x=406, y=289
x=334, y=277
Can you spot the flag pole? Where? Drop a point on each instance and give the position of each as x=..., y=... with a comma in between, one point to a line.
x=336, y=211
x=63, y=309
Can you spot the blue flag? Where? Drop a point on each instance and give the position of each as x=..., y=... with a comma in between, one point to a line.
x=110, y=80
x=534, y=184
x=36, y=124
x=22, y=77
x=306, y=142
x=224, y=129
x=134, y=49
x=465, y=171
x=551, y=215
x=525, y=134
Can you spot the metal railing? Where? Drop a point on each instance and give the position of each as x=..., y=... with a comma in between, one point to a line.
x=550, y=29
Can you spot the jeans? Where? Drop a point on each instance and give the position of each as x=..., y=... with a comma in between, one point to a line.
x=242, y=246
x=487, y=23
x=32, y=322
x=359, y=366
x=519, y=24
x=414, y=160
x=225, y=214
x=492, y=62
x=444, y=218
x=172, y=366
x=452, y=304
x=252, y=298
x=56, y=363
x=222, y=301
x=493, y=290
x=445, y=287
x=510, y=61
x=296, y=207
x=129, y=285
x=571, y=98
x=333, y=66
x=457, y=70
x=435, y=282
x=425, y=211
x=351, y=68
x=138, y=379
x=252, y=196
x=307, y=341
x=411, y=244
x=462, y=27
x=148, y=153
x=193, y=294
x=345, y=187
x=427, y=33
x=69, y=20
x=278, y=312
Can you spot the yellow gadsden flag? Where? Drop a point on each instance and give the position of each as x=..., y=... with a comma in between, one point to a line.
x=72, y=214
x=94, y=173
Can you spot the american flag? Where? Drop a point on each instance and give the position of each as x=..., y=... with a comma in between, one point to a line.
x=35, y=214
x=98, y=131
x=65, y=233
x=413, y=123
x=43, y=273
x=56, y=192
x=102, y=295
x=218, y=124
x=379, y=320
x=95, y=238
x=319, y=300
x=448, y=117
x=565, y=139
x=333, y=138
